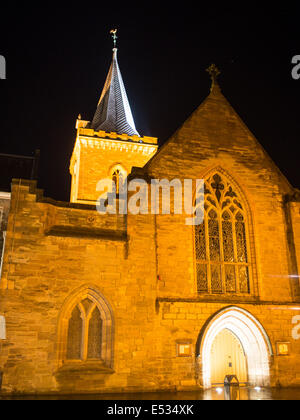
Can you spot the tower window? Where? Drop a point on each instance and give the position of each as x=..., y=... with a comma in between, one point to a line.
x=118, y=176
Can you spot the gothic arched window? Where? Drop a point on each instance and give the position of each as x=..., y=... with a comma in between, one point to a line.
x=222, y=256
x=86, y=329
x=84, y=332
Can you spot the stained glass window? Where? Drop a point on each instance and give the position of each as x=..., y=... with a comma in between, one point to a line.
x=240, y=238
x=216, y=280
x=228, y=248
x=230, y=279
x=202, y=284
x=244, y=278
x=200, y=242
x=214, y=236
x=222, y=264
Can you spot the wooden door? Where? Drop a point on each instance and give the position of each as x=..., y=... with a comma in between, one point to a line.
x=227, y=357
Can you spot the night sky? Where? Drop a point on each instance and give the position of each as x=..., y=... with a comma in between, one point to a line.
x=58, y=58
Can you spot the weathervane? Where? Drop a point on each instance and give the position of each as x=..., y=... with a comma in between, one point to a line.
x=214, y=72
x=113, y=33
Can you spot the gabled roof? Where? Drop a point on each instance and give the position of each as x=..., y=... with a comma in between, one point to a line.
x=113, y=112
x=212, y=130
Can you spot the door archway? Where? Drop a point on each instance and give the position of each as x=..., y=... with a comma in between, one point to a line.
x=227, y=357
x=245, y=331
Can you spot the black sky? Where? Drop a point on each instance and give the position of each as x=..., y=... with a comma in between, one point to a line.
x=58, y=58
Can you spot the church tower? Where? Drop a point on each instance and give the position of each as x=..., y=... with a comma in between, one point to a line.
x=108, y=146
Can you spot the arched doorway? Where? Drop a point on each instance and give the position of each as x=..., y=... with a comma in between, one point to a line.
x=234, y=342
x=227, y=357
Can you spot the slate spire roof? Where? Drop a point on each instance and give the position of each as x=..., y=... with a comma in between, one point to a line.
x=113, y=112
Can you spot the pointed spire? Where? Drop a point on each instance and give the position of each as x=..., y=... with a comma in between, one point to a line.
x=113, y=112
x=214, y=72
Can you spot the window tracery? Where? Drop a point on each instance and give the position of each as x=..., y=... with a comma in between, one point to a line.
x=222, y=258
x=84, y=332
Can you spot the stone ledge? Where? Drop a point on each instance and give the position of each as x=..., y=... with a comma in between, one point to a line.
x=225, y=300
x=229, y=299
x=84, y=368
x=81, y=232
x=88, y=132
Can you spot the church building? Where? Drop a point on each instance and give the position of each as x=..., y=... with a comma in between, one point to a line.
x=94, y=303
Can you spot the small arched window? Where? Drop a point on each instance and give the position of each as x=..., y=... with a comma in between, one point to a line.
x=86, y=329
x=118, y=176
x=222, y=257
x=85, y=332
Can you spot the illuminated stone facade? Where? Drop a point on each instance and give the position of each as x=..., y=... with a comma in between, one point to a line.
x=96, y=154
x=119, y=303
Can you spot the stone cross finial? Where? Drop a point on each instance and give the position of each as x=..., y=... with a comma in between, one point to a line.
x=214, y=72
x=113, y=33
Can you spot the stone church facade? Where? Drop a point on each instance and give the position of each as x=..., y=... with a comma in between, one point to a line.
x=118, y=303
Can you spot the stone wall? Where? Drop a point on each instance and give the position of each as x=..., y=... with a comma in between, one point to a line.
x=295, y=220
x=42, y=270
x=144, y=267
